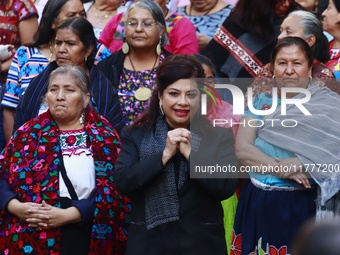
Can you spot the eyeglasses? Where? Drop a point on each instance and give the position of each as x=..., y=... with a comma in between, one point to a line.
x=146, y=24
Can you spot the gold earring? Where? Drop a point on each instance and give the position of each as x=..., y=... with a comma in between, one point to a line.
x=159, y=47
x=125, y=48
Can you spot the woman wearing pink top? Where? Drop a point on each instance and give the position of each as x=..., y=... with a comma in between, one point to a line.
x=181, y=32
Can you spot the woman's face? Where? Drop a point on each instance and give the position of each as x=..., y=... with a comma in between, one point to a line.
x=65, y=99
x=209, y=75
x=309, y=5
x=180, y=101
x=161, y=3
x=141, y=30
x=330, y=18
x=116, y=3
x=201, y=4
x=282, y=8
x=291, y=26
x=72, y=8
x=291, y=67
x=69, y=49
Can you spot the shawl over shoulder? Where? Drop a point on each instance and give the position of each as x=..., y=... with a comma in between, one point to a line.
x=30, y=165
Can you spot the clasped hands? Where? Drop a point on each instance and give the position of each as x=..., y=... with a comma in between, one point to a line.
x=177, y=140
x=39, y=216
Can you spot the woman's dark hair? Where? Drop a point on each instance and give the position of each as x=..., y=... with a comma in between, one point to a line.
x=337, y=4
x=312, y=26
x=205, y=61
x=257, y=17
x=172, y=69
x=290, y=41
x=84, y=30
x=45, y=33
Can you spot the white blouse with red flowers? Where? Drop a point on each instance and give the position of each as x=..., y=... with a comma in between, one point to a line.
x=78, y=161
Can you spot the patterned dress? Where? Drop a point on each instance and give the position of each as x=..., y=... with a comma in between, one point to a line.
x=334, y=63
x=130, y=81
x=207, y=24
x=10, y=18
x=29, y=171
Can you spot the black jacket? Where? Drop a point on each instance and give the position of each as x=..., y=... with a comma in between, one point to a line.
x=200, y=229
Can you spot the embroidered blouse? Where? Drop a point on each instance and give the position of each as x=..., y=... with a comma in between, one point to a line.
x=78, y=161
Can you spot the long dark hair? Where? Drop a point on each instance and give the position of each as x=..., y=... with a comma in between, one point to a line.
x=45, y=33
x=172, y=69
x=257, y=17
x=337, y=4
x=84, y=30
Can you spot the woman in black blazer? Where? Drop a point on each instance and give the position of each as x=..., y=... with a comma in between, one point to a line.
x=176, y=206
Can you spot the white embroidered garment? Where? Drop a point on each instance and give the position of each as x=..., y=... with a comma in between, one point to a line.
x=78, y=161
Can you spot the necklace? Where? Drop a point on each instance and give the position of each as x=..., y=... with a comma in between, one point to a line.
x=209, y=10
x=143, y=93
x=100, y=19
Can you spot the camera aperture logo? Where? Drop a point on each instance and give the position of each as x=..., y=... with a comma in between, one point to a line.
x=239, y=100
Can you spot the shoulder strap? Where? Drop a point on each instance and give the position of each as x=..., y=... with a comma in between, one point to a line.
x=67, y=181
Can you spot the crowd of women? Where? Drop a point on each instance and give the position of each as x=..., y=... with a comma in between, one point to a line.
x=114, y=129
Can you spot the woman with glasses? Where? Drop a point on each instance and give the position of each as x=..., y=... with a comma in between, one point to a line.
x=132, y=70
x=181, y=32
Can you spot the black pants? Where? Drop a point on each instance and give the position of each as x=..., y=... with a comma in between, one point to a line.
x=75, y=238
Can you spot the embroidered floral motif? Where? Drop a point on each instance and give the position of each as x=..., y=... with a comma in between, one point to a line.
x=236, y=245
x=71, y=140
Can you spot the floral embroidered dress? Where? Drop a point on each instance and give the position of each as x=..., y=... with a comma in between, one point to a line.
x=130, y=81
x=10, y=18
x=30, y=167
